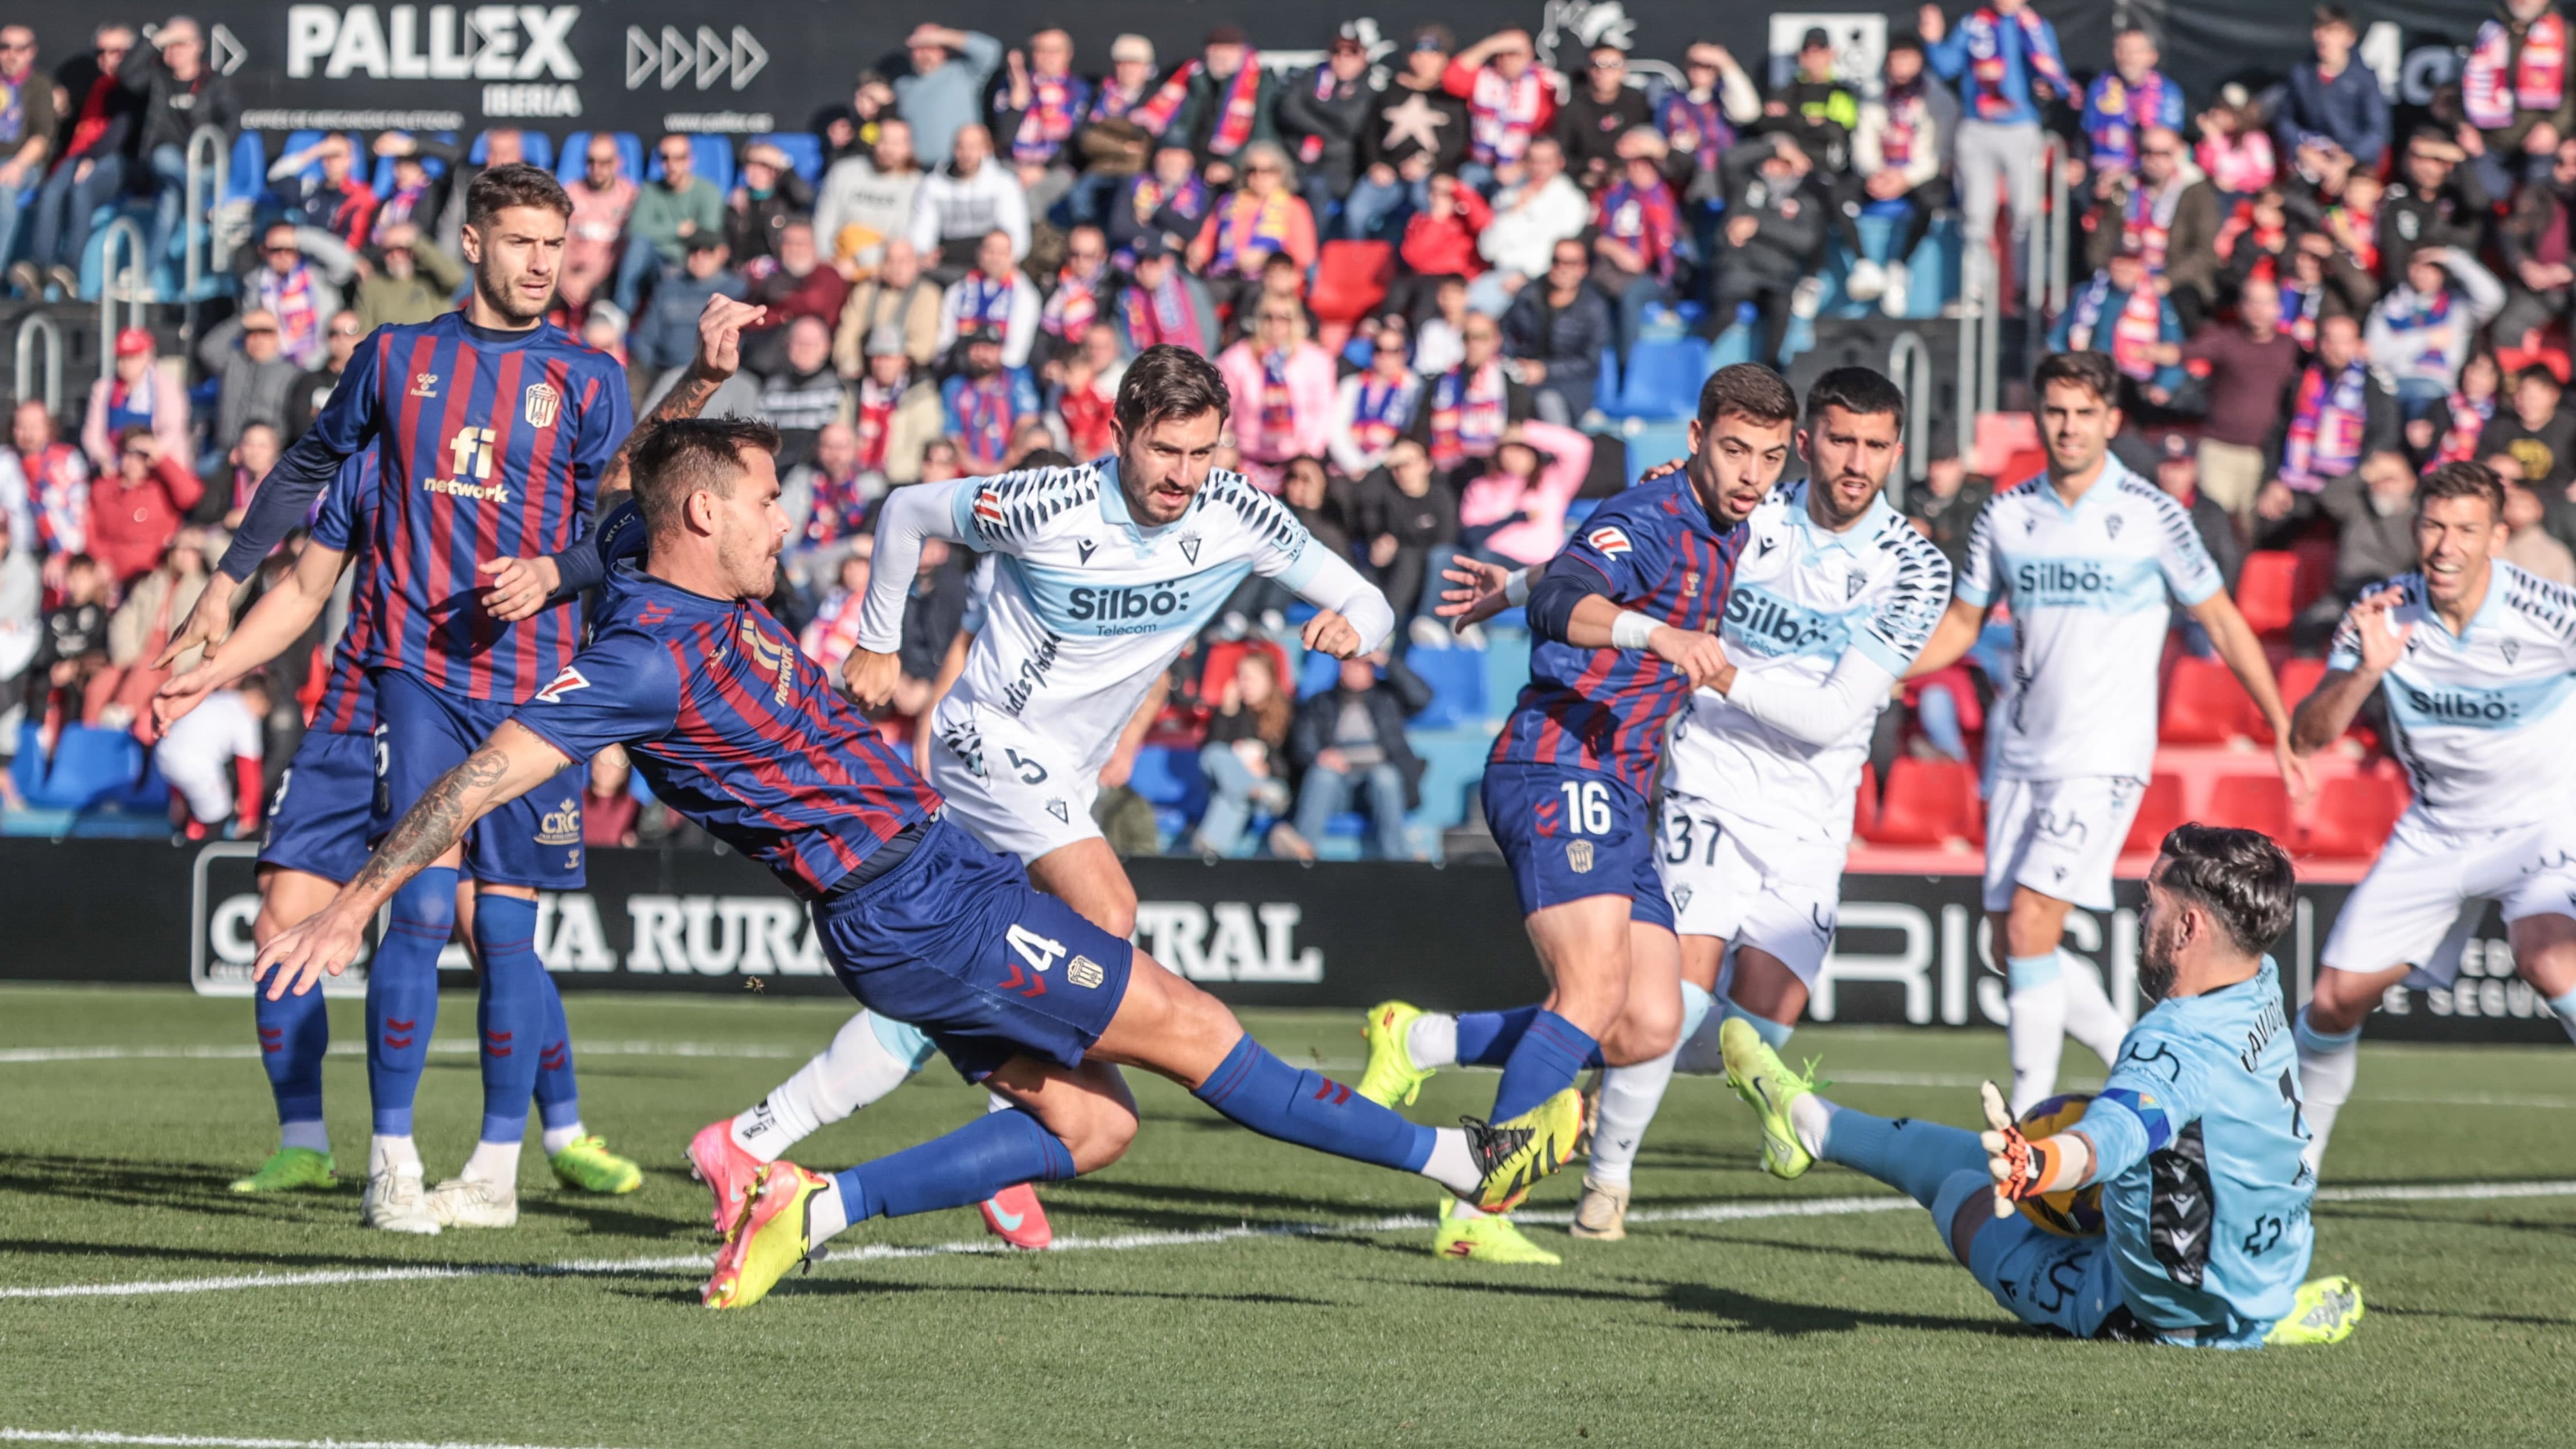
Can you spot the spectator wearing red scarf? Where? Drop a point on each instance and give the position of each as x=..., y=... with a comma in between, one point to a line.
x=1284, y=389
x=1509, y=97
x=1638, y=229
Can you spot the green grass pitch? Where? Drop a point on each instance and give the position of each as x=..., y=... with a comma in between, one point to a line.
x=1848, y=1327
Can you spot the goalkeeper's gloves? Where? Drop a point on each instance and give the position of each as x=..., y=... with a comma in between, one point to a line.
x=2024, y=1169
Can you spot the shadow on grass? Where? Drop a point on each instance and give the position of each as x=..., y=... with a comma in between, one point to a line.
x=121, y=1182
x=1743, y=1310
x=248, y=1255
x=838, y=1287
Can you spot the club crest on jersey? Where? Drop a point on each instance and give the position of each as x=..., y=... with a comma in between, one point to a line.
x=1610, y=539
x=2508, y=648
x=539, y=404
x=424, y=384
x=1852, y=585
x=1190, y=548
x=1578, y=856
x=564, y=683
x=769, y=654
x=2111, y=524
x=1058, y=809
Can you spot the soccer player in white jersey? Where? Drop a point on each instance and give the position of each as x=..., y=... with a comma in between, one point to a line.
x=2085, y=555
x=1833, y=596
x=1102, y=572
x=2477, y=662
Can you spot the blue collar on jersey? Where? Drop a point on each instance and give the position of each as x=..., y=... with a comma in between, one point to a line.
x=1113, y=507
x=2104, y=484
x=495, y=337
x=2488, y=608
x=1866, y=526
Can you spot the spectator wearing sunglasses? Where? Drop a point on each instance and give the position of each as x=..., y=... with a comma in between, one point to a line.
x=304, y=400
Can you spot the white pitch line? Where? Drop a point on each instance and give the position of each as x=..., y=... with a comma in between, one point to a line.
x=445, y=1046
x=1708, y=1212
x=207, y=1441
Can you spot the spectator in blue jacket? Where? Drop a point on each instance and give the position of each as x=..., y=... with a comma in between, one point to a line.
x=667, y=334
x=2122, y=312
x=2000, y=58
x=2332, y=103
x=945, y=91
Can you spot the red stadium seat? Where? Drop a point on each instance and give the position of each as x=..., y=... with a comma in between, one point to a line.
x=2159, y=811
x=2316, y=570
x=2354, y=815
x=2250, y=802
x=2267, y=590
x=1350, y=278
x=1865, y=803
x=1928, y=802
x=2299, y=679
x=2204, y=705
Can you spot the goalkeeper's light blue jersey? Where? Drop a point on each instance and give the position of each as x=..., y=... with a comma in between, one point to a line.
x=2204, y=1198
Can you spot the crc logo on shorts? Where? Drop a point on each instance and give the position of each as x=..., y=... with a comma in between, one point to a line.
x=539, y=404
x=1085, y=973
x=1610, y=540
x=561, y=825
x=1578, y=856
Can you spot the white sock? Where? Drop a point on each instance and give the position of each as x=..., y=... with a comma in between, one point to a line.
x=1811, y=1116
x=2090, y=1016
x=825, y=1216
x=1432, y=1040
x=860, y=1066
x=1451, y=1165
x=311, y=1136
x=1629, y=1097
x=2037, y=1036
x=996, y=1102
x=392, y=1154
x=559, y=1138
x=2328, y=1062
x=494, y=1162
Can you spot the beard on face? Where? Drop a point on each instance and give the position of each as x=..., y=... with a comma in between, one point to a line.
x=502, y=297
x=2156, y=968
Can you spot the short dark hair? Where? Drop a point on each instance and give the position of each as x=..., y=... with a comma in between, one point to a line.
x=1905, y=40
x=516, y=184
x=1167, y=381
x=2333, y=15
x=2243, y=877
x=2538, y=372
x=1747, y=389
x=1046, y=458
x=125, y=436
x=2463, y=479
x=2091, y=371
x=1862, y=391
x=675, y=459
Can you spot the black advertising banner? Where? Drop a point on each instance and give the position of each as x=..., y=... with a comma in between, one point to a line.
x=650, y=65
x=1910, y=950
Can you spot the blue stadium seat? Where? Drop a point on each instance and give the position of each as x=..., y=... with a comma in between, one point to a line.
x=1507, y=656
x=1656, y=444
x=1605, y=389
x=1457, y=680
x=539, y=146
x=383, y=180
x=1453, y=762
x=1663, y=378
x=91, y=767
x=1734, y=345
x=1169, y=778
x=249, y=175
x=710, y=156
x=804, y=151
x=1316, y=674
x=576, y=155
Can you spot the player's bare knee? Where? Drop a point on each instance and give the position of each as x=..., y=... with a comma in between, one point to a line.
x=1648, y=1028
x=1100, y=1134
x=2340, y=1000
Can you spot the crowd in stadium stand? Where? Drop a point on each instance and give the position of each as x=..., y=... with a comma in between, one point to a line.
x=1423, y=264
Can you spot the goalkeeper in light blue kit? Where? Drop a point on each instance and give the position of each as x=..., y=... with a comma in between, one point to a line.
x=2194, y=1143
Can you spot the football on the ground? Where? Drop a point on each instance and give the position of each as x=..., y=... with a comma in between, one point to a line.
x=2076, y=1214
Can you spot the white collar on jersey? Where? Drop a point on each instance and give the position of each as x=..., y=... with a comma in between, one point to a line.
x=2490, y=609
x=1850, y=539
x=2105, y=484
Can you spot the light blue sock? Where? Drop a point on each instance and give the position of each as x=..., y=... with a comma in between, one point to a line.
x=2024, y=972
x=1914, y=1157
x=2564, y=1004
x=2322, y=1043
x=1696, y=1005
x=1771, y=1031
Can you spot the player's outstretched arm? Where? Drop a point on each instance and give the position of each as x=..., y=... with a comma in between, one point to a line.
x=911, y=516
x=2368, y=645
x=1567, y=605
x=1355, y=618
x=719, y=357
x=1951, y=639
x=2237, y=643
x=1481, y=590
x=2023, y=1169
x=508, y=765
x=279, y=619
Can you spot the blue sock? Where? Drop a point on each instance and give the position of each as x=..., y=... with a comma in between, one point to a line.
x=1486, y=1038
x=2022, y=972
x=1257, y=1090
x=1912, y=1156
x=294, y=1032
x=2564, y=1006
x=1771, y=1032
x=558, y=1095
x=1550, y=1055
x=1696, y=1003
x=402, y=995
x=974, y=1162
x=511, y=1016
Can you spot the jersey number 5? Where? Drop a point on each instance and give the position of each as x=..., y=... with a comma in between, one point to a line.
x=1587, y=807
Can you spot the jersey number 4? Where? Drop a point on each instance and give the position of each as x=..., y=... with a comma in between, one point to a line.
x=1587, y=806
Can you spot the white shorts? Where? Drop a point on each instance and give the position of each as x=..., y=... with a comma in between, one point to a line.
x=1012, y=788
x=2058, y=837
x=1748, y=885
x=2427, y=881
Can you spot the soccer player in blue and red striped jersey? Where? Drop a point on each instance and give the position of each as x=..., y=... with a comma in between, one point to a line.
x=492, y=432
x=1626, y=622
x=745, y=735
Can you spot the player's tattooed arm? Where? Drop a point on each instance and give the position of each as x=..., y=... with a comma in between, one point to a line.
x=720, y=328
x=512, y=762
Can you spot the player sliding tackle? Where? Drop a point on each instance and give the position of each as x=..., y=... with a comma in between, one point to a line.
x=2478, y=663
x=1106, y=570
x=743, y=734
x=2086, y=554
x=1624, y=619
x=2193, y=1144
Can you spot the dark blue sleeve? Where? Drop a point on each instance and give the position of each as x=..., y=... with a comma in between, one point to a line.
x=622, y=688
x=1618, y=553
x=347, y=423
x=343, y=516
x=619, y=536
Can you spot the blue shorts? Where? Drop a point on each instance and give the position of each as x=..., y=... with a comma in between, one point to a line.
x=1570, y=833
x=325, y=803
x=422, y=733
x=2047, y=1280
x=955, y=941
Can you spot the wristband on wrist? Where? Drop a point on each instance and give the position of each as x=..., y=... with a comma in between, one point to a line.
x=1516, y=588
x=1631, y=630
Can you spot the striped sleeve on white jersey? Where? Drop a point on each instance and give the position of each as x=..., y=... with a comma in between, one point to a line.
x=2344, y=650
x=1981, y=576
x=1279, y=546
x=2547, y=607
x=2189, y=571
x=1920, y=593
x=1007, y=511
